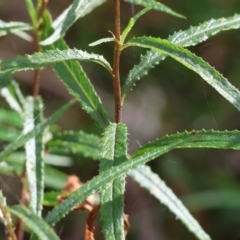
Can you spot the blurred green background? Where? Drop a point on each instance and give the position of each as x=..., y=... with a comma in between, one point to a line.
x=170, y=99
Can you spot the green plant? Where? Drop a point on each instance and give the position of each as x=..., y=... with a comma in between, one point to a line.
x=32, y=131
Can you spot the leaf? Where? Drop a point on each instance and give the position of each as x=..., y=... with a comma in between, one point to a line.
x=13, y=27
x=50, y=199
x=35, y=132
x=35, y=223
x=113, y=153
x=41, y=59
x=10, y=117
x=132, y=22
x=53, y=178
x=78, y=9
x=34, y=153
x=76, y=81
x=191, y=61
x=31, y=12
x=75, y=142
x=189, y=37
x=103, y=40
x=157, y=6
x=198, y=139
x=157, y=187
x=13, y=96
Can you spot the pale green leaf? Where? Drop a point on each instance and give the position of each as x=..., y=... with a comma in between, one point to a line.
x=113, y=153
x=76, y=143
x=33, y=114
x=23, y=138
x=156, y=5
x=103, y=40
x=189, y=37
x=35, y=223
x=13, y=27
x=191, y=61
x=76, y=81
x=157, y=187
x=198, y=139
x=78, y=9
x=13, y=96
x=42, y=59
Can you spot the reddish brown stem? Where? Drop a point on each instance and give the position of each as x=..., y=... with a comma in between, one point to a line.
x=116, y=64
x=36, y=78
x=19, y=227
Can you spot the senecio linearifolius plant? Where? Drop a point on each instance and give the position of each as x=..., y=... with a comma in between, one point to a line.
x=24, y=155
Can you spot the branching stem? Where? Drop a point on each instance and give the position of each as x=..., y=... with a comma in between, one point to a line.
x=116, y=63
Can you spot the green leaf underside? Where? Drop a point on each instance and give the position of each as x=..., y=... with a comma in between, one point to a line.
x=113, y=153
x=157, y=187
x=35, y=132
x=157, y=6
x=35, y=223
x=13, y=27
x=103, y=40
x=198, y=139
x=13, y=96
x=78, y=9
x=191, y=61
x=76, y=143
x=33, y=115
x=42, y=59
x=76, y=81
x=189, y=37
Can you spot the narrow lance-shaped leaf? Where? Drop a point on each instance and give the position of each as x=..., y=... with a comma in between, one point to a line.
x=16, y=29
x=35, y=223
x=35, y=132
x=76, y=81
x=34, y=154
x=198, y=139
x=191, y=61
x=157, y=6
x=113, y=153
x=76, y=143
x=157, y=187
x=13, y=27
x=78, y=9
x=41, y=59
x=13, y=96
x=132, y=21
x=31, y=12
x=189, y=37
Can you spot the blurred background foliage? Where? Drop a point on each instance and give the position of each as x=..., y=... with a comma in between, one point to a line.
x=170, y=99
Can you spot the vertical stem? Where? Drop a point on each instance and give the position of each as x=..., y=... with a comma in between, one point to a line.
x=116, y=63
x=19, y=227
x=36, y=78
